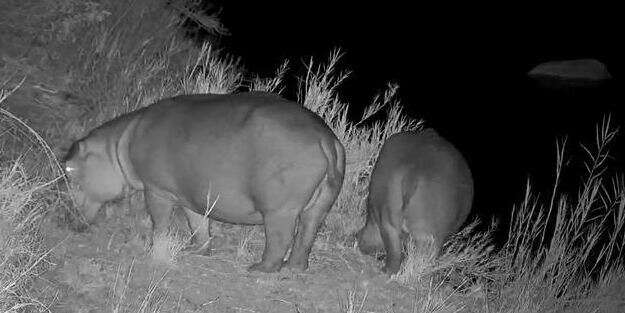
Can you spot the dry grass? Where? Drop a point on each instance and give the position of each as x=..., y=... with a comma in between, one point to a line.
x=28, y=189
x=19, y=141
x=117, y=56
x=166, y=248
x=22, y=255
x=122, y=297
x=560, y=251
x=353, y=300
x=211, y=72
x=273, y=84
x=435, y=297
x=467, y=259
x=245, y=250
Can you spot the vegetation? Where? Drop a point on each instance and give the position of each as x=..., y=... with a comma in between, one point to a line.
x=84, y=62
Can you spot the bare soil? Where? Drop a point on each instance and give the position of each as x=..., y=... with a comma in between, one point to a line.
x=108, y=269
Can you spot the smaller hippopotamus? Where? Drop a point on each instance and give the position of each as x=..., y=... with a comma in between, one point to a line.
x=420, y=185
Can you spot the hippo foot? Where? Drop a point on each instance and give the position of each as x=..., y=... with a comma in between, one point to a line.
x=264, y=267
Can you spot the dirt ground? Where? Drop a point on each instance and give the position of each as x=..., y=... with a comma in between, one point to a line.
x=107, y=269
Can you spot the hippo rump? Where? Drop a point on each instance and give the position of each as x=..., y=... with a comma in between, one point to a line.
x=420, y=185
x=269, y=161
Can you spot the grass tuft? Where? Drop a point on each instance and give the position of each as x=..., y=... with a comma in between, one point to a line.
x=560, y=252
x=166, y=248
x=273, y=84
x=353, y=300
x=211, y=72
x=23, y=256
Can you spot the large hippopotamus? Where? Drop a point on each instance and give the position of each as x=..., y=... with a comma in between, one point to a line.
x=269, y=161
x=420, y=185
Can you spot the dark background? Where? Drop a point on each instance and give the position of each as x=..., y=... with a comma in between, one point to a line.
x=460, y=68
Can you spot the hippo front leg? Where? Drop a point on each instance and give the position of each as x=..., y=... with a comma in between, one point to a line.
x=279, y=231
x=160, y=209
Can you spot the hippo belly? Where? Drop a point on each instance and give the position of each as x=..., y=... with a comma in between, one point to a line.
x=230, y=206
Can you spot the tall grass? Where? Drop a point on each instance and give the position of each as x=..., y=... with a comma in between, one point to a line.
x=559, y=252
x=28, y=176
x=22, y=255
x=212, y=72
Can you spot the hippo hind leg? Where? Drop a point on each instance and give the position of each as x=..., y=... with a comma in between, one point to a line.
x=279, y=230
x=391, y=236
x=390, y=215
x=309, y=220
x=428, y=224
x=314, y=212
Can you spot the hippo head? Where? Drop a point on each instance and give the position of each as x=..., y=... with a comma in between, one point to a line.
x=94, y=175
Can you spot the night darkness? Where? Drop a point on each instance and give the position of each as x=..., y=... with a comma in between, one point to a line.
x=461, y=69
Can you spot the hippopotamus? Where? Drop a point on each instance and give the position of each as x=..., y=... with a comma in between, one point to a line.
x=264, y=159
x=420, y=185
